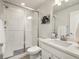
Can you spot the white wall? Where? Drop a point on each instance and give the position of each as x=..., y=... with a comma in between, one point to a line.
x=2, y=31
x=46, y=29
x=74, y=25
x=63, y=16
x=1, y=9
x=35, y=28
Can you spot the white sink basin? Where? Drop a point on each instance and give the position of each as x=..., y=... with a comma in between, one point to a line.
x=62, y=43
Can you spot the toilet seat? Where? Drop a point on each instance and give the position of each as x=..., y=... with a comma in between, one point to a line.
x=34, y=50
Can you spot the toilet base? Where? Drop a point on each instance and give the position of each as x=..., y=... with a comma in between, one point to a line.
x=37, y=56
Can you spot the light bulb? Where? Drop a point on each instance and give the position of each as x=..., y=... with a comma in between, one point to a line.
x=29, y=17
x=59, y=4
x=66, y=0
x=56, y=2
x=61, y=0
x=22, y=4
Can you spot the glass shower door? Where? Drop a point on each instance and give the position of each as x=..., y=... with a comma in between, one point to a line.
x=15, y=19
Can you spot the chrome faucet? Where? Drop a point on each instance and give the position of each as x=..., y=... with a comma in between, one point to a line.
x=63, y=38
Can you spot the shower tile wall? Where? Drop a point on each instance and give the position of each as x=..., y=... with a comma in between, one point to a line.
x=15, y=21
x=28, y=31
x=14, y=30
x=2, y=38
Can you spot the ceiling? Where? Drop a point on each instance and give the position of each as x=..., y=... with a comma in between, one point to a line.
x=29, y=3
x=66, y=5
x=37, y=3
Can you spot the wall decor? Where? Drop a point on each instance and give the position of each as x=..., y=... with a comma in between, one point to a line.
x=45, y=19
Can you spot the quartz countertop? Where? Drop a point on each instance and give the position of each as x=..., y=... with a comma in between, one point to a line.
x=71, y=50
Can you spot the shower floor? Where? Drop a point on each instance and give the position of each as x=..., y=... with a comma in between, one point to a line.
x=22, y=56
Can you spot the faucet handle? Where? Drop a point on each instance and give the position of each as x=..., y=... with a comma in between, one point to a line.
x=54, y=35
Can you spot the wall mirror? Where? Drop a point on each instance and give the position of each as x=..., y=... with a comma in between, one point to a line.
x=66, y=18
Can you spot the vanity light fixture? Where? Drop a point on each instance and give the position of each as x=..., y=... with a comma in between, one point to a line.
x=29, y=17
x=58, y=2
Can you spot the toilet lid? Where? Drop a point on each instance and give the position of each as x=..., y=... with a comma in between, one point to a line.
x=34, y=49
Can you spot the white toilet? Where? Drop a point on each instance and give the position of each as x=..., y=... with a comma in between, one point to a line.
x=34, y=52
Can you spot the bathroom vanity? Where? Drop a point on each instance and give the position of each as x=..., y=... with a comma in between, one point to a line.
x=55, y=49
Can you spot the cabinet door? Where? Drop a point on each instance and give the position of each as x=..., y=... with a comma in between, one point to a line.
x=46, y=55
x=56, y=57
x=66, y=56
x=53, y=53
